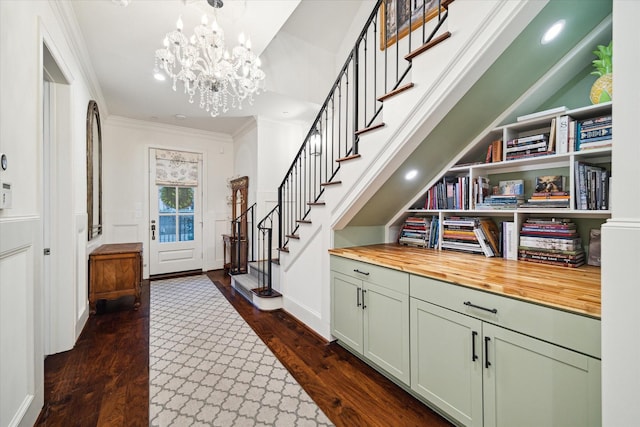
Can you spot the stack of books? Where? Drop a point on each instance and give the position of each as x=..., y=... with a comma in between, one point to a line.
x=471, y=235
x=529, y=146
x=415, y=232
x=594, y=133
x=419, y=232
x=549, y=193
x=551, y=241
x=506, y=195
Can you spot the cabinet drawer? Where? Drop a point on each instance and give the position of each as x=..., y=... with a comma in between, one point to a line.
x=573, y=331
x=386, y=277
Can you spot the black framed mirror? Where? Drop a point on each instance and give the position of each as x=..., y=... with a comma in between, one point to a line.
x=94, y=171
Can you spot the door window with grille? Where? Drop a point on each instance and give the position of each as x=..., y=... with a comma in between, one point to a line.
x=176, y=214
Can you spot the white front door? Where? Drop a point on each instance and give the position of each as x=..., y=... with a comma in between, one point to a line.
x=175, y=225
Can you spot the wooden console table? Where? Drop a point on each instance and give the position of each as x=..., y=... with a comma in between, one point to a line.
x=115, y=270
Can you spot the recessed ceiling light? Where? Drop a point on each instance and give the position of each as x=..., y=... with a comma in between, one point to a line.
x=553, y=32
x=180, y=116
x=159, y=76
x=411, y=174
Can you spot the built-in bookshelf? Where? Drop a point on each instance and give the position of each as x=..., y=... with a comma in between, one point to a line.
x=537, y=167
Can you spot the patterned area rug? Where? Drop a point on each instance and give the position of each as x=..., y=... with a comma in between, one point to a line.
x=209, y=368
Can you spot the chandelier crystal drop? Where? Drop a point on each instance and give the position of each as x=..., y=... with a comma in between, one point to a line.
x=203, y=64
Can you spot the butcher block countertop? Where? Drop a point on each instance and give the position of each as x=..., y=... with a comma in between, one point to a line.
x=572, y=289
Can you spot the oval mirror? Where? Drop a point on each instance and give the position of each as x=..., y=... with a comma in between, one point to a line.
x=94, y=171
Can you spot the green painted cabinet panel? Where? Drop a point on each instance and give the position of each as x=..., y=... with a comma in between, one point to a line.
x=370, y=318
x=533, y=383
x=446, y=361
x=386, y=330
x=346, y=310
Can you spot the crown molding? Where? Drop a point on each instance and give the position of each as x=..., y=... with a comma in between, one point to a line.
x=143, y=125
x=63, y=10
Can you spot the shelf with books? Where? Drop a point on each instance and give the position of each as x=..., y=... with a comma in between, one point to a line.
x=473, y=186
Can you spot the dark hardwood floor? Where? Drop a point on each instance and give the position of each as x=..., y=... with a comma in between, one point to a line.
x=103, y=381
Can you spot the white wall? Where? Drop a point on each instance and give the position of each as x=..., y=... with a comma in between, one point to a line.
x=24, y=27
x=245, y=150
x=278, y=143
x=620, y=235
x=299, y=76
x=357, y=24
x=125, y=148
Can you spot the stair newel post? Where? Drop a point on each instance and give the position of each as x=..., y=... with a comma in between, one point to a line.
x=253, y=226
x=269, y=259
x=238, y=245
x=282, y=211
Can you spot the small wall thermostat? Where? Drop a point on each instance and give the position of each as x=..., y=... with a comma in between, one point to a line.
x=5, y=195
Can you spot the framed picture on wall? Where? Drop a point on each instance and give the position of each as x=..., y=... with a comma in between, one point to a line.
x=397, y=16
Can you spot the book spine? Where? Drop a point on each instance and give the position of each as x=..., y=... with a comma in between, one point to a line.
x=581, y=186
x=604, y=203
x=569, y=259
x=572, y=135
x=595, y=145
x=488, y=252
x=496, y=151
x=552, y=136
x=548, y=245
x=556, y=239
x=604, y=132
x=515, y=156
x=597, y=121
x=538, y=146
x=542, y=136
x=563, y=264
x=562, y=134
x=511, y=247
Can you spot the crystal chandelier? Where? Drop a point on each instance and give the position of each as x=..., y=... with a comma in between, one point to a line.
x=204, y=65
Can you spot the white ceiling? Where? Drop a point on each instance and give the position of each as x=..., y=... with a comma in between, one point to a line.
x=121, y=42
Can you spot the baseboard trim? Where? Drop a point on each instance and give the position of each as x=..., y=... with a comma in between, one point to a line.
x=175, y=275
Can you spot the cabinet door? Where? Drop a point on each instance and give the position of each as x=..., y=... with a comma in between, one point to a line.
x=386, y=330
x=446, y=361
x=346, y=310
x=533, y=383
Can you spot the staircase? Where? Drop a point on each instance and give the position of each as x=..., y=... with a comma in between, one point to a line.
x=385, y=101
x=250, y=286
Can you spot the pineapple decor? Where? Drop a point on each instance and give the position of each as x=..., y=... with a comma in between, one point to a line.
x=602, y=89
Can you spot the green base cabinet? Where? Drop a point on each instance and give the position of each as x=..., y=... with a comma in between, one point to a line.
x=346, y=311
x=446, y=361
x=370, y=314
x=530, y=382
x=479, y=373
